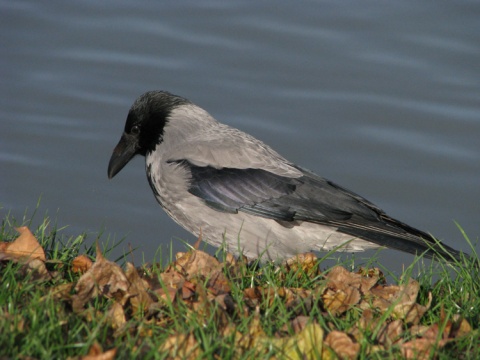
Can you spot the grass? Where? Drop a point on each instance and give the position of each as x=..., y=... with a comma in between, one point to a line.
x=36, y=324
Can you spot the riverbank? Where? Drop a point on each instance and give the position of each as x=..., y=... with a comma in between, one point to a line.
x=61, y=299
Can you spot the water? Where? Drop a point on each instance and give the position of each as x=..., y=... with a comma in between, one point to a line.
x=381, y=98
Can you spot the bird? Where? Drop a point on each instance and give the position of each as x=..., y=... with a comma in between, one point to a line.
x=233, y=190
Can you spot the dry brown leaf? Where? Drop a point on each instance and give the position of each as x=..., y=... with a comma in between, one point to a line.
x=431, y=337
x=96, y=353
x=299, y=323
x=339, y=299
x=103, y=278
x=3, y=246
x=343, y=346
x=218, y=283
x=116, y=316
x=307, y=344
x=390, y=333
x=460, y=327
x=196, y=263
x=225, y=302
x=188, y=290
x=424, y=330
x=303, y=264
x=456, y=327
x=137, y=290
x=181, y=346
x=402, y=298
x=230, y=260
x=197, y=243
x=292, y=297
x=387, y=332
x=343, y=289
x=24, y=246
x=26, y=250
x=39, y=269
x=340, y=275
x=204, y=306
x=372, y=273
x=166, y=295
x=253, y=296
x=288, y=295
x=81, y=264
x=61, y=292
x=254, y=334
x=261, y=296
x=171, y=278
x=411, y=313
x=420, y=349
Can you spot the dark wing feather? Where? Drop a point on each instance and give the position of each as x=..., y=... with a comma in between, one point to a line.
x=308, y=198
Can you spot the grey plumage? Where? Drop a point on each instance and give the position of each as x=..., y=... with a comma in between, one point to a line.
x=219, y=181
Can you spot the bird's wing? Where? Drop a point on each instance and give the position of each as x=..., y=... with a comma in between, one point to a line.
x=226, y=147
x=263, y=193
x=308, y=198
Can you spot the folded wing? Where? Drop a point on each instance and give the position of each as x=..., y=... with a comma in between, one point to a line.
x=309, y=198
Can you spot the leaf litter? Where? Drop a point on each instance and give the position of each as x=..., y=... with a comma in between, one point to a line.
x=199, y=285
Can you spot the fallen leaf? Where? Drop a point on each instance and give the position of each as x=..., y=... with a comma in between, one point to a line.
x=204, y=306
x=386, y=333
x=339, y=299
x=3, y=246
x=344, y=289
x=299, y=323
x=181, y=346
x=165, y=295
x=230, y=260
x=103, y=278
x=171, y=278
x=343, y=346
x=116, y=316
x=218, y=282
x=390, y=332
x=26, y=251
x=39, y=270
x=420, y=349
x=302, y=264
x=411, y=312
x=96, y=353
x=81, y=264
x=453, y=328
x=340, y=275
x=460, y=327
x=372, y=273
x=137, y=290
x=253, y=296
x=307, y=344
x=197, y=243
x=403, y=300
x=254, y=335
x=25, y=246
x=196, y=263
x=60, y=292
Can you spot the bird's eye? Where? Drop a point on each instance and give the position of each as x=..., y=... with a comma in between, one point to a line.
x=135, y=130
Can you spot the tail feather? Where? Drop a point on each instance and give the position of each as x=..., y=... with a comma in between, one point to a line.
x=394, y=234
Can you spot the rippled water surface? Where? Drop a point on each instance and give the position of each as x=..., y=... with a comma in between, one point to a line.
x=381, y=98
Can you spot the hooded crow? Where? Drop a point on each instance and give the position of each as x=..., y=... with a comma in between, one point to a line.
x=231, y=188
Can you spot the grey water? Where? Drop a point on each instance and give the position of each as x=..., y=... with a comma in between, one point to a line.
x=383, y=98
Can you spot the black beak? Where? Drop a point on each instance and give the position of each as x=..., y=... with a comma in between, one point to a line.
x=125, y=150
